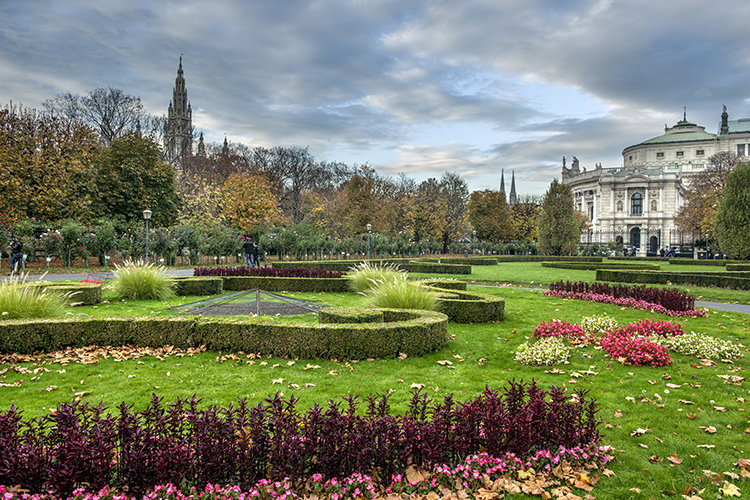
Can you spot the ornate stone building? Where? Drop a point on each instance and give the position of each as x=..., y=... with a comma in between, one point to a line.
x=178, y=131
x=636, y=204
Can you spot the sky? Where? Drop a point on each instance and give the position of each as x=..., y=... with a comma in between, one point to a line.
x=414, y=87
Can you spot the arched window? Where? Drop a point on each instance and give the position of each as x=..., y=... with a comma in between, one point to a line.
x=636, y=204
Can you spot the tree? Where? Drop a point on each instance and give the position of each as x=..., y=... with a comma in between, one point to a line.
x=46, y=166
x=110, y=111
x=132, y=176
x=698, y=214
x=456, y=194
x=523, y=215
x=557, y=227
x=490, y=215
x=248, y=202
x=427, y=217
x=732, y=229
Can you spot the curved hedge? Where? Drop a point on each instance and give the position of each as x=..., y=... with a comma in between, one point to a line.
x=466, y=307
x=538, y=258
x=446, y=284
x=739, y=280
x=414, y=333
x=350, y=315
x=86, y=294
x=198, y=286
x=593, y=266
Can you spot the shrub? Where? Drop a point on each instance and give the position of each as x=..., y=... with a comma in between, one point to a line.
x=81, y=293
x=401, y=294
x=198, y=286
x=469, y=307
x=78, y=445
x=598, y=325
x=140, y=281
x=545, y=351
x=22, y=299
x=272, y=284
x=721, y=279
x=268, y=271
x=557, y=328
x=365, y=275
x=701, y=346
x=647, y=327
x=636, y=350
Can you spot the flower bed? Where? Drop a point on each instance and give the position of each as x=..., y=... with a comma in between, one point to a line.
x=636, y=350
x=671, y=302
x=546, y=351
x=180, y=443
x=702, y=346
x=557, y=328
x=268, y=271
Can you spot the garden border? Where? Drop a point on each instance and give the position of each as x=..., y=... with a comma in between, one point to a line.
x=593, y=266
x=729, y=279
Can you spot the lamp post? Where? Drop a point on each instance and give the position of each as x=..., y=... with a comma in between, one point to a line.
x=147, y=215
x=474, y=242
x=369, y=231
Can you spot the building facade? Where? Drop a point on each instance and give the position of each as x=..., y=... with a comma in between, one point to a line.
x=178, y=131
x=636, y=204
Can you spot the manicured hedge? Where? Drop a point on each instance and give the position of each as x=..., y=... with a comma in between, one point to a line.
x=198, y=286
x=739, y=280
x=86, y=294
x=738, y=267
x=236, y=283
x=593, y=266
x=468, y=307
x=705, y=262
x=414, y=333
x=547, y=258
x=409, y=265
x=472, y=261
x=350, y=315
x=418, y=266
x=446, y=284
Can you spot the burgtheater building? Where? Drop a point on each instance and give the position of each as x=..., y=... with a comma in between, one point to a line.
x=636, y=204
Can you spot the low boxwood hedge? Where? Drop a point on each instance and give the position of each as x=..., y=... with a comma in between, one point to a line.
x=548, y=258
x=198, y=286
x=446, y=284
x=350, y=315
x=593, y=266
x=409, y=265
x=414, y=333
x=468, y=307
x=704, y=262
x=738, y=280
x=738, y=267
x=472, y=261
x=237, y=283
x=419, y=266
x=85, y=294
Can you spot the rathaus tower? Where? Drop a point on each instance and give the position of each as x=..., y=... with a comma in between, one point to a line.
x=178, y=131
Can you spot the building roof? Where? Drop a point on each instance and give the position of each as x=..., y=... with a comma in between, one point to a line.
x=741, y=126
x=684, y=131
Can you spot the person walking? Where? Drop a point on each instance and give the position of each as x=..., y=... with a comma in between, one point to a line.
x=255, y=253
x=16, y=255
x=247, y=247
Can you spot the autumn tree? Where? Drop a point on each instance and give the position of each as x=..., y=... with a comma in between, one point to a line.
x=557, y=227
x=523, y=215
x=428, y=214
x=733, y=219
x=110, y=111
x=703, y=197
x=456, y=194
x=247, y=201
x=489, y=214
x=130, y=176
x=46, y=166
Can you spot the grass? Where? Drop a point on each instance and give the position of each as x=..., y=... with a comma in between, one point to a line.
x=18, y=299
x=138, y=280
x=365, y=276
x=481, y=354
x=400, y=294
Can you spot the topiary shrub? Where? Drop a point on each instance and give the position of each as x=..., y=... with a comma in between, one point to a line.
x=198, y=286
x=140, y=281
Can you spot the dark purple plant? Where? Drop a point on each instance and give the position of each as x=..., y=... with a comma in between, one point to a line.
x=670, y=298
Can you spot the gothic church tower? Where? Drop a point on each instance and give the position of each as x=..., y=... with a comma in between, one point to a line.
x=178, y=131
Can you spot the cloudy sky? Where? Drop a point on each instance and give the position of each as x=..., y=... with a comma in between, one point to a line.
x=419, y=87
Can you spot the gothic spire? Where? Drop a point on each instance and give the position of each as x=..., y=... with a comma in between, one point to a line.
x=502, y=181
x=225, y=148
x=512, y=199
x=201, y=147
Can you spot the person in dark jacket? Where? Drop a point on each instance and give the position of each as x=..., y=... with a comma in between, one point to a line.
x=256, y=252
x=16, y=255
x=247, y=247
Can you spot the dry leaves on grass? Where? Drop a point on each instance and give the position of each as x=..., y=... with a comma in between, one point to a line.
x=91, y=354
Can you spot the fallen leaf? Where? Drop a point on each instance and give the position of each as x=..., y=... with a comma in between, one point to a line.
x=639, y=432
x=730, y=490
x=673, y=386
x=674, y=459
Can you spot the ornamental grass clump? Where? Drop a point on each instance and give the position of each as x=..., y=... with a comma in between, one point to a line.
x=20, y=299
x=402, y=294
x=140, y=281
x=545, y=351
x=701, y=346
x=365, y=275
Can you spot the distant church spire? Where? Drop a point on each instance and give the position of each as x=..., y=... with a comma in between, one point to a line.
x=178, y=131
x=512, y=199
x=225, y=148
x=502, y=181
x=201, y=147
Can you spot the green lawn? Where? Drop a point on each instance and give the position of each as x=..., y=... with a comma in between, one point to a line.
x=631, y=397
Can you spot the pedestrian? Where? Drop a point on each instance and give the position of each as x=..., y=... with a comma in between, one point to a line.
x=247, y=247
x=255, y=253
x=16, y=255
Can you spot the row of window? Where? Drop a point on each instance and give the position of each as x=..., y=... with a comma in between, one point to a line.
x=743, y=149
x=679, y=154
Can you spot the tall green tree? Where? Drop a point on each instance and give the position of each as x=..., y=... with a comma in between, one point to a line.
x=490, y=215
x=732, y=228
x=132, y=176
x=557, y=227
